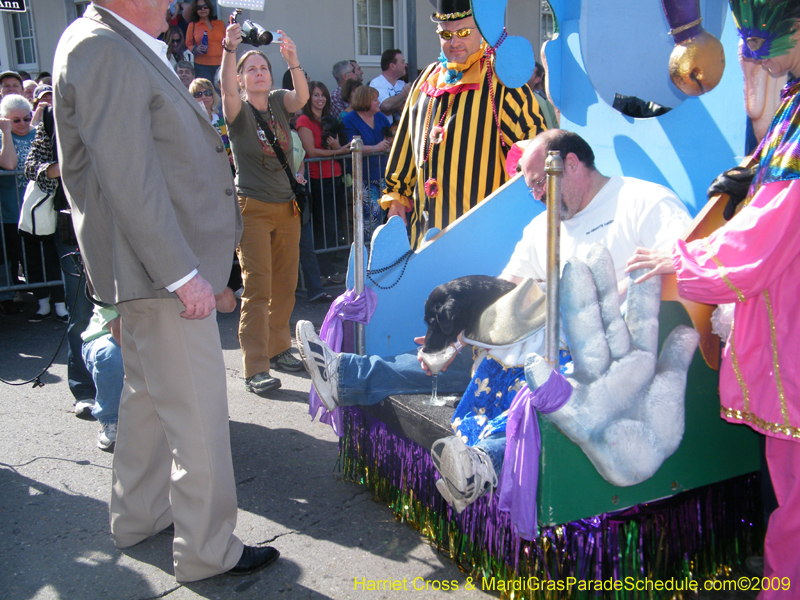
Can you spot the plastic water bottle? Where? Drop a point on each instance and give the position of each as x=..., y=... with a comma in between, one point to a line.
x=204, y=41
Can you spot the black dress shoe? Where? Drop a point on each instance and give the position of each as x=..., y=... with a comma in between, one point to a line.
x=253, y=559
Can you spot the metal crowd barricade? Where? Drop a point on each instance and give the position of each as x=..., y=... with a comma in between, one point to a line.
x=341, y=207
x=15, y=268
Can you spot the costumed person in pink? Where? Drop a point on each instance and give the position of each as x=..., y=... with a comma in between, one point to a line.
x=754, y=261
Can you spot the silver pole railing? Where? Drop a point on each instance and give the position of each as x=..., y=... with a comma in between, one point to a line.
x=358, y=234
x=554, y=169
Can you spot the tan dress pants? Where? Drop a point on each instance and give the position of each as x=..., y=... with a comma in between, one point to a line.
x=269, y=254
x=172, y=461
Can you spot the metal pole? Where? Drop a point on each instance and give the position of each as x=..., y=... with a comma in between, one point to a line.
x=554, y=168
x=358, y=233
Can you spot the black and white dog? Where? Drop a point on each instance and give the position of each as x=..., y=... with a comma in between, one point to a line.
x=456, y=305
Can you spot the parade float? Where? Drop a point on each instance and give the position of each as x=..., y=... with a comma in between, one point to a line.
x=699, y=515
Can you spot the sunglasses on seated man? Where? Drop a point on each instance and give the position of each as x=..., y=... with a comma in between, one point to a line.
x=462, y=33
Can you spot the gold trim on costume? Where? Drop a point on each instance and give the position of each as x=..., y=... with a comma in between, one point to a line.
x=778, y=382
x=748, y=417
x=723, y=272
x=737, y=371
x=454, y=15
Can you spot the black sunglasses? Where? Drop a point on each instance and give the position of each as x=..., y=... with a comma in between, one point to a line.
x=207, y=93
x=202, y=6
x=17, y=121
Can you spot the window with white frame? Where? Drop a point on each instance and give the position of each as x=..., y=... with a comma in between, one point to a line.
x=548, y=22
x=24, y=41
x=376, y=28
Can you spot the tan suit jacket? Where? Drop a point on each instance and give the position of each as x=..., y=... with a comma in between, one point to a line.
x=145, y=172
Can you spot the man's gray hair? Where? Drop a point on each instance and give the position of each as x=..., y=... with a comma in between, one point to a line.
x=14, y=102
x=342, y=68
x=184, y=64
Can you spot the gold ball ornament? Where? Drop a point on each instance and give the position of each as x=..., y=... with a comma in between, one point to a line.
x=696, y=64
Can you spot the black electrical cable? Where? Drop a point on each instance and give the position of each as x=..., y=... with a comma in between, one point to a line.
x=36, y=381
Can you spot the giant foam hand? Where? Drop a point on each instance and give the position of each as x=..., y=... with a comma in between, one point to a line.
x=627, y=407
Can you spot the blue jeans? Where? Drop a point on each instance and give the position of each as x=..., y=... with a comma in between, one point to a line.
x=80, y=309
x=495, y=447
x=103, y=358
x=308, y=262
x=367, y=380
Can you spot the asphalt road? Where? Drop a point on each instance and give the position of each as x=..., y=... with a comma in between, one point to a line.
x=55, y=485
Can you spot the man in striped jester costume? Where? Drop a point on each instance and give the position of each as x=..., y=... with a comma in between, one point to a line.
x=456, y=129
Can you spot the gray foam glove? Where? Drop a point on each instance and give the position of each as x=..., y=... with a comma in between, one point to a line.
x=627, y=408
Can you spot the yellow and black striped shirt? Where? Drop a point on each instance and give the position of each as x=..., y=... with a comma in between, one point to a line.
x=469, y=163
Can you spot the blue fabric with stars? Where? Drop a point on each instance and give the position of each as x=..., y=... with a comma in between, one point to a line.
x=483, y=410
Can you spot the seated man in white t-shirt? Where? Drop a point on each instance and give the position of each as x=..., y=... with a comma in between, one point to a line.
x=621, y=213
x=392, y=91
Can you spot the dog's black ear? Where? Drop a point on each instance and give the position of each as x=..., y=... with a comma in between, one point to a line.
x=446, y=315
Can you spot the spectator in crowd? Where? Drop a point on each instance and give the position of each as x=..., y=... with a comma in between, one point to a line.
x=102, y=355
x=269, y=249
x=10, y=83
x=392, y=90
x=536, y=83
x=40, y=78
x=28, y=87
x=17, y=138
x=327, y=186
x=308, y=258
x=347, y=93
x=176, y=46
x=205, y=27
x=185, y=71
x=357, y=71
x=41, y=256
x=202, y=91
x=42, y=166
x=425, y=176
x=372, y=125
x=342, y=72
x=179, y=14
x=42, y=98
x=158, y=247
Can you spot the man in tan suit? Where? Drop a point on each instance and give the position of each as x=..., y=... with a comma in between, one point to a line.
x=156, y=217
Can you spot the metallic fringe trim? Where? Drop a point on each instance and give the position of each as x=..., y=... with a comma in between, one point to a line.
x=696, y=535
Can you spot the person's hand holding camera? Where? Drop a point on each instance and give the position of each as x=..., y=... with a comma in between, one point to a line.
x=233, y=36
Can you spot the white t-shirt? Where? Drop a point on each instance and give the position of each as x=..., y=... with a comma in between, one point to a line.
x=386, y=89
x=625, y=214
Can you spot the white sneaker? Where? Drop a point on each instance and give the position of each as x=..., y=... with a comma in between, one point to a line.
x=83, y=409
x=467, y=473
x=107, y=436
x=321, y=362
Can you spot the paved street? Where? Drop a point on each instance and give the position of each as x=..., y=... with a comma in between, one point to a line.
x=55, y=484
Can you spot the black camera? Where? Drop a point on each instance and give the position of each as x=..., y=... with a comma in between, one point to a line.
x=253, y=33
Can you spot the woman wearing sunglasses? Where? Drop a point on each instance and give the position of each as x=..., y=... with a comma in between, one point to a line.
x=208, y=55
x=205, y=94
x=176, y=46
x=17, y=138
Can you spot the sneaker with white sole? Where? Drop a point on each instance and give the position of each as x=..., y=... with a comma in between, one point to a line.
x=107, y=436
x=467, y=473
x=321, y=362
x=83, y=409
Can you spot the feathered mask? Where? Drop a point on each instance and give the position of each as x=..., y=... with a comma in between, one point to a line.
x=765, y=26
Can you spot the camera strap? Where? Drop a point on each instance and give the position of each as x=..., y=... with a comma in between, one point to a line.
x=276, y=147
